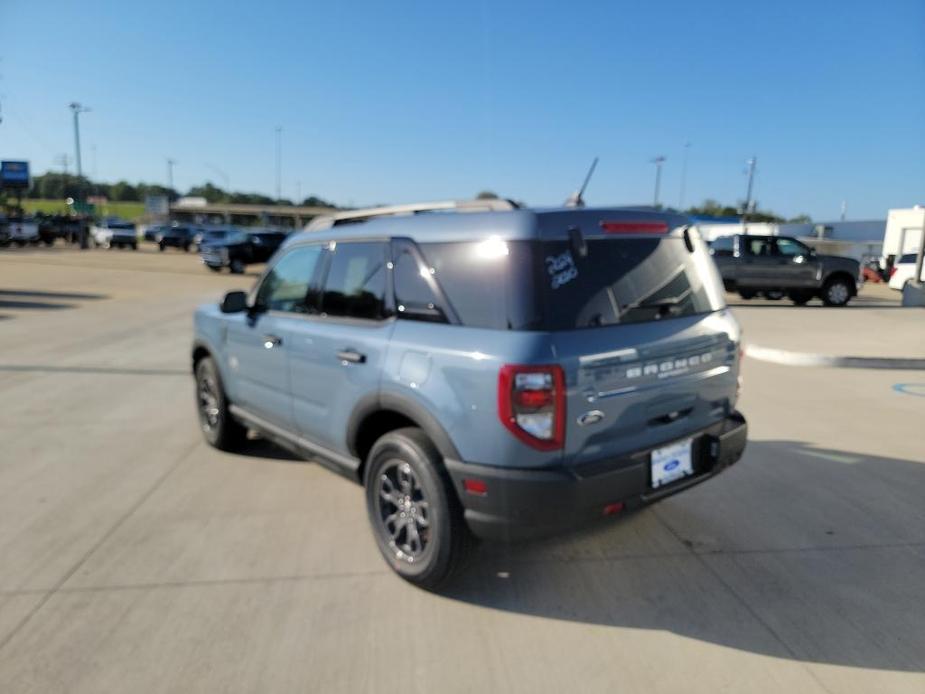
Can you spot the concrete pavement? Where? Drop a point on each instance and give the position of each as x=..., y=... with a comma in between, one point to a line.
x=135, y=558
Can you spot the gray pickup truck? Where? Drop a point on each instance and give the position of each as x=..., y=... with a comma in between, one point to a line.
x=778, y=266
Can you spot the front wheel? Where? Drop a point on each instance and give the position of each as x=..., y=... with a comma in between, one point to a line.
x=416, y=519
x=237, y=266
x=837, y=292
x=747, y=294
x=773, y=294
x=218, y=426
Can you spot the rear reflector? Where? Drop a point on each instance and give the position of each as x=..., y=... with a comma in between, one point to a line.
x=611, y=509
x=478, y=487
x=630, y=227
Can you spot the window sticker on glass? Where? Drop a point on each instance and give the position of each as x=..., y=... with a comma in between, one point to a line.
x=561, y=269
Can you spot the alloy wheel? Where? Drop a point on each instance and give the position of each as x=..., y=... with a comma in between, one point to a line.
x=402, y=511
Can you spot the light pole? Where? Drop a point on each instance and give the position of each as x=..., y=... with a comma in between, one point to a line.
x=279, y=177
x=658, y=161
x=687, y=146
x=170, y=165
x=748, y=192
x=77, y=109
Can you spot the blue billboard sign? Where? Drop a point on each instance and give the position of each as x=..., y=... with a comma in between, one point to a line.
x=14, y=174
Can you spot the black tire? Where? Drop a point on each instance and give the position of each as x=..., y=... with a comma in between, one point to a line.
x=406, y=462
x=135, y=246
x=219, y=428
x=747, y=294
x=186, y=248
x=800, y=298
x=773, y=294
x=837, y=291
x=237, y=267
x=214, y=268
x=161, y=247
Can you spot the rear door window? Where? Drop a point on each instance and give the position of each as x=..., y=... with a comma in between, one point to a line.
x=758, y=246
x=356, y=281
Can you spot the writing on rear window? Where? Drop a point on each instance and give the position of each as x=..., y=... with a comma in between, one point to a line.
x=561, y=269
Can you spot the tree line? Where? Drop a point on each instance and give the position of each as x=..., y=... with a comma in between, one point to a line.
x=58, y=186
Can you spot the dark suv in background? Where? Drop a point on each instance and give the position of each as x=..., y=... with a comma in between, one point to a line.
x=778, y=266
x=238, y=249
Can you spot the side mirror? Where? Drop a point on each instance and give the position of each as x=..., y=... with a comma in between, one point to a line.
x=234, y=302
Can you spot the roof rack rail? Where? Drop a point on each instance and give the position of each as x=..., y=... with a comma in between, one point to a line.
x=327, y=221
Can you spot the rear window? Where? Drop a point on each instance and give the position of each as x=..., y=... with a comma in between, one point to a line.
x=630, y=280
x=548, y=285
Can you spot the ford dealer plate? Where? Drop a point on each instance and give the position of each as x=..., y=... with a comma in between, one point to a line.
x=671, y=463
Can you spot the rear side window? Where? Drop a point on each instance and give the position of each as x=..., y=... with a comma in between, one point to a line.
x=489, y=283
x=628, y=280
x=907, y=258
x=416, y=297
x=355, y=284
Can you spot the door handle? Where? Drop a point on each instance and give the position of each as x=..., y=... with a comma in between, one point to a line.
x=348, y=355
x=271, y=341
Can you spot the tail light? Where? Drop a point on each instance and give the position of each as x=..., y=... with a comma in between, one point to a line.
x=531, y=404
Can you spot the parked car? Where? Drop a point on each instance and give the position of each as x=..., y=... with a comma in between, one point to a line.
x=114, y=233
x=23, y=230
x=176, y=236
x=502, y=374
x=211, y=235
x=776, y=266
x=153, y=233
x=903, y=271
x=239, y=249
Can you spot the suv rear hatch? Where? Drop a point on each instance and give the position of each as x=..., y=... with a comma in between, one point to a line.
x=638, y=323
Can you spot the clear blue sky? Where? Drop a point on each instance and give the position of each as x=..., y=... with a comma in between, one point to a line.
x=395, y=102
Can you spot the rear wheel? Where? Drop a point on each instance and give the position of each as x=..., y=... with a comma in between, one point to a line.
x=161, y=247
x=837, y=292
x=218, y=426
x=800, y=298
x=237, y=266
x=747, y=294
x=416, y=519
x=135, y=246
x=773, y=294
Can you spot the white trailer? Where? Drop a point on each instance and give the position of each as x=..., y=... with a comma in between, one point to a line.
x=904, y=229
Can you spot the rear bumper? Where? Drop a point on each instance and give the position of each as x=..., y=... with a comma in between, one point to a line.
x=521, y=503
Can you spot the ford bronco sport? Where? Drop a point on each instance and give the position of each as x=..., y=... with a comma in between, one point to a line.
x=490, y=374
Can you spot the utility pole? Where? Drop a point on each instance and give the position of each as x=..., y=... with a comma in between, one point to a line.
x=748, y=192
x=658, y=161
x=77, y=109
x=64, y=160
x=170, y=165
x=279, y=170
x=844, y=209
x=687, y=146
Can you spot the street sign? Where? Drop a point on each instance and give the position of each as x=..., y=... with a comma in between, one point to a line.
x=14, y=175
x=84, y=208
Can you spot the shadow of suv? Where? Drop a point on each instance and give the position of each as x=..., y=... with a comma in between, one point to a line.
x=501, y=374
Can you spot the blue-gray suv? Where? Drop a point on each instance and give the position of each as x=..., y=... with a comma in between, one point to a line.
x=496, y=375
